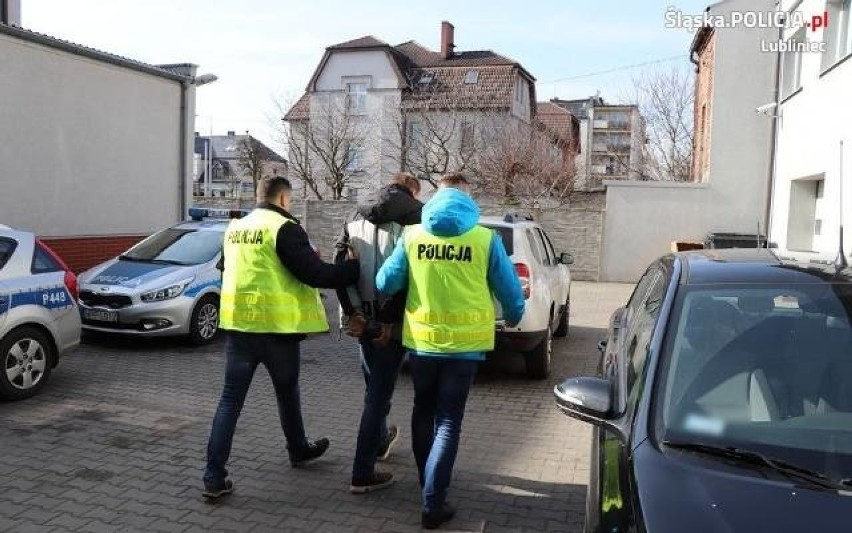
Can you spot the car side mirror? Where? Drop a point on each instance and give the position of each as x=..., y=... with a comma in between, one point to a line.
x=585, y=398
x=566, y=259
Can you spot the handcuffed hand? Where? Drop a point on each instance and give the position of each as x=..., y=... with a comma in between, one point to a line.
x=355, y=325
x=384, y=337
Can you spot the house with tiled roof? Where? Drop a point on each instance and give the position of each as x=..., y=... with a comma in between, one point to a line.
x=381, y=109
x=221, y=166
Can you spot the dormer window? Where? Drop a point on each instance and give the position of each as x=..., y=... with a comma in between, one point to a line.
x=471, y=77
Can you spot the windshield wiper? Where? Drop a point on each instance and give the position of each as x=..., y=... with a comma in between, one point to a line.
x=792, y=471
x=169, y=262
x=123, y=257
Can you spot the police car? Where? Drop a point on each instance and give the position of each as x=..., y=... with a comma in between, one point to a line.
x=39, y=320
x=166, y=285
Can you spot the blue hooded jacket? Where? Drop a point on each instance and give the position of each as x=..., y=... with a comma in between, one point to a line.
x=450, y=213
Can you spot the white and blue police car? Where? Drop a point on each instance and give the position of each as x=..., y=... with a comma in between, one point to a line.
x=167, y=285
x=39, y=320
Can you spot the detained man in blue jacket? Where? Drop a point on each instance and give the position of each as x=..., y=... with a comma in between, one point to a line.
x=451, y=267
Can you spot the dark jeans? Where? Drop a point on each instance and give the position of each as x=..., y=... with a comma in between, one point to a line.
x=441, y=388
x=380, y=367
x=244, y=351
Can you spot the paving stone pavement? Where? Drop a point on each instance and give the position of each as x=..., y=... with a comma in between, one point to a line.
x=117, y=441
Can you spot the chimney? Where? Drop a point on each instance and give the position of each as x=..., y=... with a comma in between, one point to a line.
x=10, y=12
x=230, y=133
x=447, y=37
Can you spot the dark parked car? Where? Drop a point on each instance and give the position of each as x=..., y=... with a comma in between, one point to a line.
x=724, y=401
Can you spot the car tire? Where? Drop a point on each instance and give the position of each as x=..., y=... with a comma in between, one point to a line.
x=27, y=356
x=204, y=321
x=562, y=328
x=538, y=359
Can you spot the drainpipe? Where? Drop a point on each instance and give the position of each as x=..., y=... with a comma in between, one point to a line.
x=184, y=87
x=776, y=117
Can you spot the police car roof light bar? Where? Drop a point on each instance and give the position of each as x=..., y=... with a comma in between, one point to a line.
x=200, y=213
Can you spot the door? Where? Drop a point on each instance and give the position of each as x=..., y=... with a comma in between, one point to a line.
x=549, y=263
x=610, y=502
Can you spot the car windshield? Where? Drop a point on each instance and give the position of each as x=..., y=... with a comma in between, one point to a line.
x=763, y=368
x=177, y=246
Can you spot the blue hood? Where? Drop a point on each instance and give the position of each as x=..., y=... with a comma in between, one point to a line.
x=450, y=213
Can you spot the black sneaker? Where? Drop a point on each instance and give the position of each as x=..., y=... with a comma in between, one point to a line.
x=308, y=453
x=214, y=491
x=378, y=481
x=388, y=443
x=435, y=519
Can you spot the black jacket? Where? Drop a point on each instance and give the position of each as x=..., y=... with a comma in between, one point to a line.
x=395, y=204
x=299, y=257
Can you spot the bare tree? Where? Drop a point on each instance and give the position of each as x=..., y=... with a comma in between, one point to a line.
x=436, y=131
x=327, y=148
x=251, y=161
x=301, y=160
x=665, y=98
x=526, y=165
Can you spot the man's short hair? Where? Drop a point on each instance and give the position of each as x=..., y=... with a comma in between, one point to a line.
x=456, y=180
x=271, y=187
x=407, y=180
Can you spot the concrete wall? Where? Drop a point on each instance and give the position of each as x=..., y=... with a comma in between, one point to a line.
x=86, y=148
x=576, y=229
x=813, y=122
x=643, y=218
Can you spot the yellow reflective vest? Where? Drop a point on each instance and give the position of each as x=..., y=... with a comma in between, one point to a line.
x=259, y=294
x=449, y=307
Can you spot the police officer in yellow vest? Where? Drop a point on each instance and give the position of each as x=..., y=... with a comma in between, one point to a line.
x=451, y=267
x=269, y=302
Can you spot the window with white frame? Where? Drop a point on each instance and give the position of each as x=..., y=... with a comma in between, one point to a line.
x=355, y=159
x=791, y=71
x=838, y=34
x=356, y=98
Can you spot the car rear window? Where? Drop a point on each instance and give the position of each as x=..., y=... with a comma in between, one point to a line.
x=506, y=236
x=44, y=262
x=7, y=247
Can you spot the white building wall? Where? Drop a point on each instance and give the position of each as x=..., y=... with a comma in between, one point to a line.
x=373, y=64
x=78, y=136
x=813, y=122
x=643, y=218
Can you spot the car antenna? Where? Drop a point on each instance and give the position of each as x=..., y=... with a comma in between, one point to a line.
x=840, y=262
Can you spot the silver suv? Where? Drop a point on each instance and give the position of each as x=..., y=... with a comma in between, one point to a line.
x=39, y=319
x=546, y=281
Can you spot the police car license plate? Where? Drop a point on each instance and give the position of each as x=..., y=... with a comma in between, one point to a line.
x=100, y=315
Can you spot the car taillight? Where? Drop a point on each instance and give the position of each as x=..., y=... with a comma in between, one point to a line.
x=70, y=278
x=524, y=274
x=71, y=284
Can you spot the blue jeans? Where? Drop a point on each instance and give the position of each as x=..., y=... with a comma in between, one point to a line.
x=244, y=351
x=380, y=367
x=441, y=387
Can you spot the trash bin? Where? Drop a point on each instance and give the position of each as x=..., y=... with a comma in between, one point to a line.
x=735, y=240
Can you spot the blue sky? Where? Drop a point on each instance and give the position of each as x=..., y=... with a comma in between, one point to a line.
x=267, y=49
